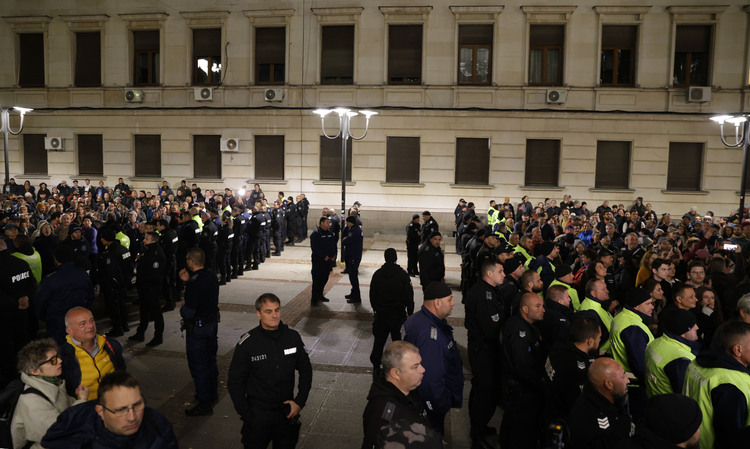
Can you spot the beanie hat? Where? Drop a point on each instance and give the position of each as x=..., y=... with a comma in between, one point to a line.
x=678, y=321
x=636, y=297
x=108, y=235
x=562, y=271
x=64, y=253
x=546, y=248
x=435, y=234
x=414, y=216
x=503, y=248
x=511, y=265
x=436, y=290
x=390, y=255
x=673, y=417
x=351, y=219
x=73, y=228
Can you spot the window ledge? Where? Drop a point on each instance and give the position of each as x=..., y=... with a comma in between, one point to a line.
x=611, y=189
x=31, y=176
x=685, y=192
x=474, y=186
x=402, y=184
x=267, y=181
x=147, y=179
x=541, y=187
x=328, y=182
x=189, y=181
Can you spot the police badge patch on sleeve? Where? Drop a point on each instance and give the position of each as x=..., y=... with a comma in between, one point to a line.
x=156, y=264
x=433, y=333
x=495, y=317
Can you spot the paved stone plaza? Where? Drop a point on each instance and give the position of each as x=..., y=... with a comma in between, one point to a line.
x=337, y=336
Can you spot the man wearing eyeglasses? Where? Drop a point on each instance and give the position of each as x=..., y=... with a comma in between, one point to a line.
x=119, y=419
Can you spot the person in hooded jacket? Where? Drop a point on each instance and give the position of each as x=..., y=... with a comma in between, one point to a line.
x=393, y=395
x=392, y=301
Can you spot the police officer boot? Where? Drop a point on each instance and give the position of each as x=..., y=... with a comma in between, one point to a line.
x=168, y=307
x=156, y=341
x=138, y=337
x=222, y=281
x=200, y=409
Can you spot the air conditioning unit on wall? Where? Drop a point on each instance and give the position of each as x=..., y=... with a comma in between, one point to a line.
x=273, y=94
x=556, y=96
x=230, y=145
x=204, y=93
x=134, y=96
x=54, y=144
x=699, y=94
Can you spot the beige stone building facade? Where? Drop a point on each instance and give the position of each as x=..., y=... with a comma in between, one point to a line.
x=598, y=99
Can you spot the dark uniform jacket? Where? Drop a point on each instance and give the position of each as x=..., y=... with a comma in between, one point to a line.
x=645, y=439
x=391, y=293
x=428, y=227
x=523, y=360
x=555, y=327
x=596, y=423
x=386, y=404
x=322, y=244
x=116, y=265
x=412, y=233
x=262, y=372
x=189, y=237
x=81, y=427
x=353, y=243
x=431, y=264
x=68, y=287
x=168, y=240
x=485, y=316
x=565, y=374
x=151, y=266
x=201, y=297
x=208, y=237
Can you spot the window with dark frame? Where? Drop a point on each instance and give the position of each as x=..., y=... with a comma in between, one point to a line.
x=405, y=54
x=402, y=159
x=542, y=162
x=34, y=154
x=618, y=55
x=685, y=166
x=206, y=56
x=270, y=54
x=475, y=54
x=146, y=58
x=330, y=159
x=692, y=55
x=472, y=161
x=206, y=156
x=337, y=55
x=31, y=60
x=88, y=68
x=90, y=155
x=546, y=57
x=148, y=155
x=269, y=157
x=612, y=165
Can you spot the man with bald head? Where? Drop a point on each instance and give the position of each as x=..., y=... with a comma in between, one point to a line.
x=523, y=374
x=599, y=417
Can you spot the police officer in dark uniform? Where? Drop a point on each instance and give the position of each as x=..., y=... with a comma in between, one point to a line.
x=261, y=379
x=151, y=266
x=412, y=245
x=168, y=240
x=188, y=237
x=323, y=246
x=208, y=240
x=291, y=221
x=115, y=271
x=200, y=316
x=224, y=247
x=278, y=218
x=523, y=374
x=236, y=255
x=81, y=249
x=353, y=256
x=303, y=210
x=428, y=227
x=431, y=260
x=265, y=226
x=485, y=317
x=254, y=232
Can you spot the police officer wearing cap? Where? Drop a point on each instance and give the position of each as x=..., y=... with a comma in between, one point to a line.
x=168, y=240
x=261, y=379
x=115, y=271
x=208, y=239
x=151, y=267
x=429, y=226
x=413, y=240
x=671, y=421
x=188, y=237
x=564, y=277
x=323, y=247
x=431, y=260
x=443, y=382
x=668, y=356
x=485, y=316
x=630, y=336
x=80, y=246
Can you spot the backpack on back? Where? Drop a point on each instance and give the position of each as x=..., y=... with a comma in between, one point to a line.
x=8, y=400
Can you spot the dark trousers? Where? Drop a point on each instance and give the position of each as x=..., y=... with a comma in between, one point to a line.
x=150, y=310
x=301, y=231
x=266, y=243
x=521, y=427
x=236, y=258
x=437, y=420
x=352, y=267
x=253, y=251
x=114, y=300
x=484, y=394
x=382, y=327
x=320, y=272
x=168, y=282
x=223, y=264
x=201, y=345
x=278, y=241
x=266, y=426
x=412, y=256
x=291, y=226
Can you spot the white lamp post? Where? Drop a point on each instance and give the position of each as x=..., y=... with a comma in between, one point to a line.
x=741, y=140
x=345, y=116
x=5, y=127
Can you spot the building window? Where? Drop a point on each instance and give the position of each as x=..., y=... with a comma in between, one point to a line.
x=88, y=70
x=405, y=54
x=146, y=58
x=542, y=162
x=546, y=54
x=685, y=164
x=148, y=155
x=34, y=154
x=270, y=54
x=475, y=54
x=330, y=159
x=90, y=155
x=207, y=56
x=269, y=157
x=692, y=55
x=402, y=160
x=31, y=61
x=206, y=157
x=612, y=165
x=618, y=55
x=337, y=55
x=472, y=161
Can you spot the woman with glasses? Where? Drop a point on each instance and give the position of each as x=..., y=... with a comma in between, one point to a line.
x=44, y=396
